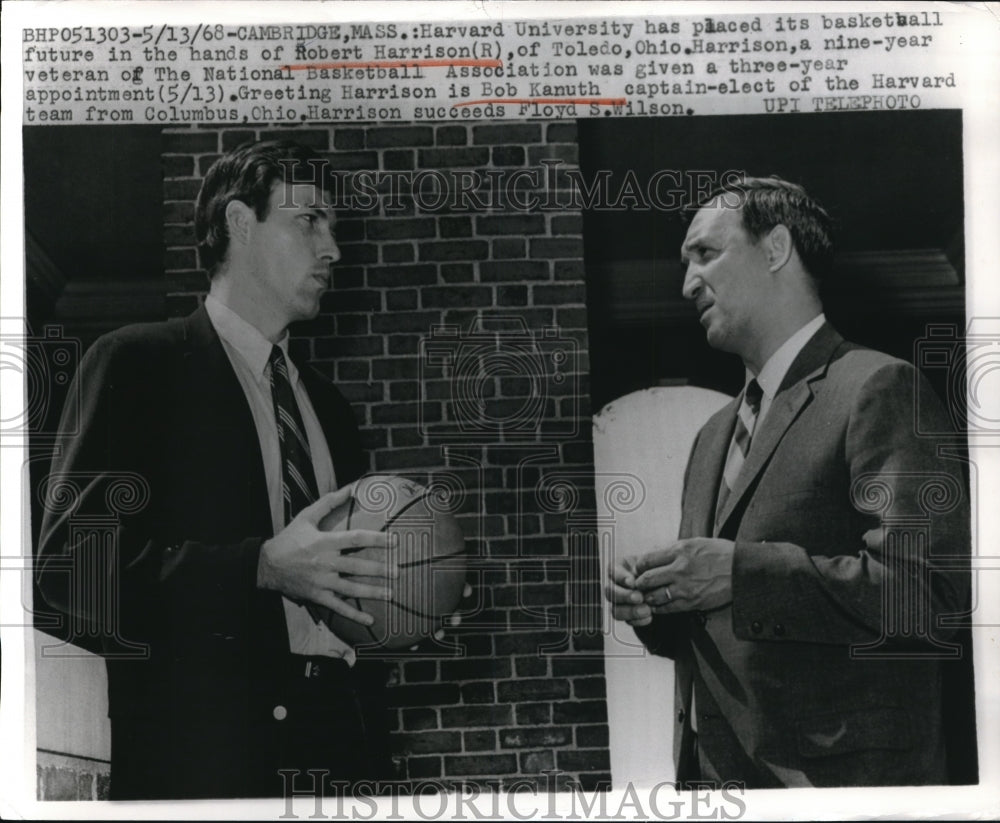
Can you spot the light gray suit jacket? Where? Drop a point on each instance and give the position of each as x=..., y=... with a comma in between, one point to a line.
x=851, y=534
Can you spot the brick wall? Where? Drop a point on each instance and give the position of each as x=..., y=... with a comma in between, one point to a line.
x=509, y=418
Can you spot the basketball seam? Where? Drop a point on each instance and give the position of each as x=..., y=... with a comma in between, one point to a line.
x=409, y=505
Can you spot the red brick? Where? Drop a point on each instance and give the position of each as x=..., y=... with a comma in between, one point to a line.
x=559, y=295
x=567, y=224
x=420, y=719
x=514, y=270
x=399, y=160
x=512, y=224
x=426, y=767
x=395, y=368
x=586, y=687
x=353, y=370
x=405, y=413
x=478, y=741
x=396, y=136
x=476, y=669
x=439, y=297
x=534, y=714
x=483, y=764
x=458, y=273
x=400, y=228
x=591, y=736
x=478, y=692
x=348, y=139
x=489, y=716
x=536, y=762
x=179, y=259
x=398, y=253
x=416, y=671
x=353, y=324
x=418, y=322
x=580, y=711
x=561, y=133
x=317, y=139
x=556, y=247
x=189, y=142
x=446, y=250
x=455, y=226
x=570, y=665
x=508, y=156
x=540, y=689
x=452, y=135
x=394, y=276
x=532, y=666
x=507, y=133
x=234, y=138
x=353, y=160
x=527, y=738
x=583, y=760
x=512, y=296
x=428, y=742
x=400, y=300
x=453, y=157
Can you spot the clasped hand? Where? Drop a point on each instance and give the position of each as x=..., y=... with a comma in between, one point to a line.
x=306, y=564
x=690, y=575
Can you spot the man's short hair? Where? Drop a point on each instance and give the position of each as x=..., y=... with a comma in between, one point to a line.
x=248, y=174
x=766, y=202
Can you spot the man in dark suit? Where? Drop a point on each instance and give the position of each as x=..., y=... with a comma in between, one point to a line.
x=821, y=538
x=228, y=454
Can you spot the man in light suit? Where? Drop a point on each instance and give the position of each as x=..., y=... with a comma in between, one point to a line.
x=804, y=621
x=232, y=454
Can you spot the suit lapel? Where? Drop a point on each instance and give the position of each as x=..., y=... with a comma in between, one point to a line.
x=708, y=460
x=793, y=396
x=225, y=415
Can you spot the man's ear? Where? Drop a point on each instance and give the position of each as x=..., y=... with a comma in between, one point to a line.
x=239, y=218
x=779, y=247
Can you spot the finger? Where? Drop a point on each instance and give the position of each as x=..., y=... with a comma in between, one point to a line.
x=656, y=578
x=326, y=503
x=630, y=613
x=345, y=587
x=337, y=605
x=621, y=575
x=621, y=595
x=355, y=539
x=655, y=558
x=364, y=566
x=659, y=596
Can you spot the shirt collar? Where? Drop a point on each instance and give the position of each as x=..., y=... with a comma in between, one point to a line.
x=780, y=362
x=246, y=339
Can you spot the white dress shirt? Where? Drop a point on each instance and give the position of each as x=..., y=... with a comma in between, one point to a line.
x=780, y=362
x=248, y=351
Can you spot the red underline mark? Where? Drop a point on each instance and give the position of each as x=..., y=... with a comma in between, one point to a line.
x=547, y=101
x=397, y=64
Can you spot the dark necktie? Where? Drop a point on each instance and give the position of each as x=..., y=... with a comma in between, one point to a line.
x=746, y=418
x=298, y=480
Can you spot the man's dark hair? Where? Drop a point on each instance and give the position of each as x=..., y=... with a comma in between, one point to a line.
x=248, y=174
x=766, y=202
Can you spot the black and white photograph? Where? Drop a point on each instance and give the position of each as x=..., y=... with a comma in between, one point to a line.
x=574, y=462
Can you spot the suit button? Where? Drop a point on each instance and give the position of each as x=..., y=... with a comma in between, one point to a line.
x=779, y=630
x=680, y=715
x=756, y=627
x=280, y=712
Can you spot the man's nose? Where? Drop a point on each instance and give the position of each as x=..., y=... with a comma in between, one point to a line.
x=329, y=251
x=693, y=284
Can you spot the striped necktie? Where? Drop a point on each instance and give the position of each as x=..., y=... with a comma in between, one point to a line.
x=746, y=419
x=298, y=480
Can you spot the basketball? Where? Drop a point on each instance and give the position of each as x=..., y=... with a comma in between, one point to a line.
x=426, y=543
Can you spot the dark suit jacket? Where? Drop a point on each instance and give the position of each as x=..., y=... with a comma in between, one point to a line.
x=161, y=405
x=789, y=689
